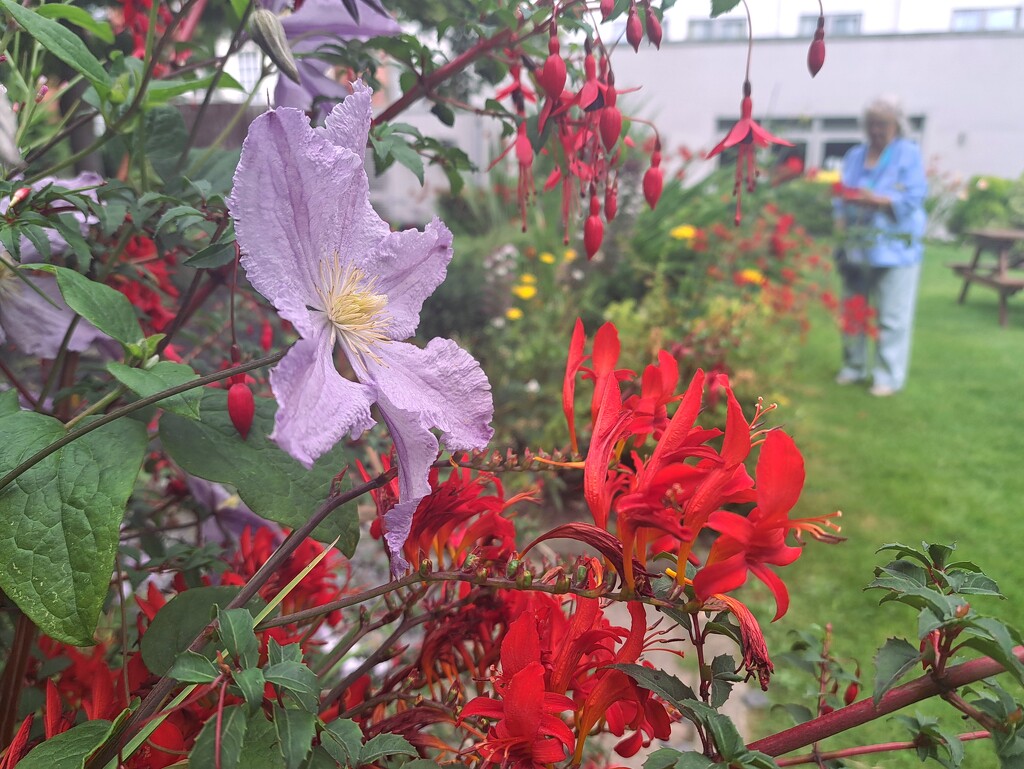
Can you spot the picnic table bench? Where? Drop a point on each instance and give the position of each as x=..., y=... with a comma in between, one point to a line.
x=998, y=256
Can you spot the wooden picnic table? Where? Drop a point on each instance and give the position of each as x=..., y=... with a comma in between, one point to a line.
x=998, y=256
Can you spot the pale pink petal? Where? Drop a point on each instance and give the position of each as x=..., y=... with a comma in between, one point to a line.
x=316, y=405
x=37, y=324
x=348, y=125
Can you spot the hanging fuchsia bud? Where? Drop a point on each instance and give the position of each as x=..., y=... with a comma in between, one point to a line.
x=552, y=75
x=816, y=53
x=653, y=26
x=266, y=336
x=241, y=408
x=634, y=29
x=611, y=201
x=593, y=228
x=610, y=126
x=607, y=6
x=654, y=179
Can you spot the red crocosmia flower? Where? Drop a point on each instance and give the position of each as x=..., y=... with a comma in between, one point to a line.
x=18, y=748
x=658, y=387
x=573, y=364
x=755, y=650
x=746, y=135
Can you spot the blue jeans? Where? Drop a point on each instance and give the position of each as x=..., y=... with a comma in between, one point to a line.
x=892, y=292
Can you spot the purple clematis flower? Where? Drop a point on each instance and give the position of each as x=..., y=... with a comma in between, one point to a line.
x=315, y=24
x=313, y=245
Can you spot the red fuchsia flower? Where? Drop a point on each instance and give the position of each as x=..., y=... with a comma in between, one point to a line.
x=593, y=228
x=634, y=29
x=654, y=178
x=746, y=135
x=653, y=26
x=607, y=6
x=241, y=408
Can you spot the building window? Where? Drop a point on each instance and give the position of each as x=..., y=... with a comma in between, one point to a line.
x=836, y=25
x=982, y=19
x=249, y=68
x=717, y=29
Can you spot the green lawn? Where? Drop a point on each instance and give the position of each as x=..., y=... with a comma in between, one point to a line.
x=943, y=461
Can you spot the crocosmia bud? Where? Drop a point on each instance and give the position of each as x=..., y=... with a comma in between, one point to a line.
x=241, y=408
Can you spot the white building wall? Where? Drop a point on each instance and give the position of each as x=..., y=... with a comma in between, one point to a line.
x=966, y=87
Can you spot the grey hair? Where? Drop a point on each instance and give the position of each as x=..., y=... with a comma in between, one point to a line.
x=889, y=107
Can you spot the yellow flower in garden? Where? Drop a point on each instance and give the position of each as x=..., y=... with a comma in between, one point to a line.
x=683, y=232
x=827, y=177
x=525, y=292
x=513, y=313
x=528, y=279
x=569, y=254
x=751, y=276
x=547, y=257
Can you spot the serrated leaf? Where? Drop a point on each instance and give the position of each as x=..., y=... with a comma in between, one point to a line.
x=180, y=620
x=260, y=747
x=892, y=662
x=79, y=17
x=718, y=7
x=665, y=685
x=383, y=745
x=235, y=629
x=295, y=732
x=181, y=216
x=270, y=482
x=161, y=376
x=69, y=749
x=192, y=668
x=60, y=520
x=107, y=309
x=233, y=726
x=251, y=682
x=61, y=42
x=727, y=738
x=343, y=739
x=296, y=679
x=287, y=653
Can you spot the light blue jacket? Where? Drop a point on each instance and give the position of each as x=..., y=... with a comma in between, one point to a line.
x=876, y=237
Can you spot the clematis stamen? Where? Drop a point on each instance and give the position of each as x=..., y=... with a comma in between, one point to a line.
x=352, y=305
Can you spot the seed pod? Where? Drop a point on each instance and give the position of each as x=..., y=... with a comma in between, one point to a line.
x=268, y=32
x=241, y=408
x=634, y=29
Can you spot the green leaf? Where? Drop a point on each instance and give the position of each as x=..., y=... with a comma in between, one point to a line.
x=60, y=520
x=669, y=758
x=162, y=91
x=236, y=633
x=260, y=747
x=61, y=42
x=161, y=376
x=107, y=309
x=295, y=732
x=165, y=140
x=343, y=739
x=892, y=662
x=270, y=482
x=408, y=157
x=182, y=217
x=665, y=685
x=69, y=749
x=385, y=745
x=79, y=17
x=233, y=727
x=214, y=255
x=287, y=653
x=251, y=682
x=193, y=668
x=718, y=7
x=180, y=620
x=296, y=679
x=443, y=113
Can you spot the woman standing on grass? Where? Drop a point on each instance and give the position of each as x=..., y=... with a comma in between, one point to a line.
x=879, y=214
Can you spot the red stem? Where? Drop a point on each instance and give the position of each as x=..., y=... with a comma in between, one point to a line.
x=882, y=747
x=14, y=675
x=858, y=713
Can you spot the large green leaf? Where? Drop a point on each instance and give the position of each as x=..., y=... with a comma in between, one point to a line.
x=79, y=17
x=892, y=662
x=270, y=482
x=59, y=520
x=107, y=309
x=233, y=725
x=162, y=376
x=69, y=749
x=61, y=42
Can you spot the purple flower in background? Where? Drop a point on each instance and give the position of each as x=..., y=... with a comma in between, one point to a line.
x=317, y=23
x=313, y=245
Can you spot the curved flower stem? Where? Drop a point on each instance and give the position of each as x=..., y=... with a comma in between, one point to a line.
x=858, y=713
x=882, y=747
x=98, y=406
x=750, y=39
x=74, y=435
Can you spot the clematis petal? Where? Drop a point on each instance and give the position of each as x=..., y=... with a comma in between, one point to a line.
x=297, y=201
x=348, y=125
x=316, y=405
x=315, y=90
x=442, y=387
x=330, y=18
x=37, y=326
x=410, y=265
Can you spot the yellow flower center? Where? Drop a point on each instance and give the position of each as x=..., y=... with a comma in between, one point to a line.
x=352, y=305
